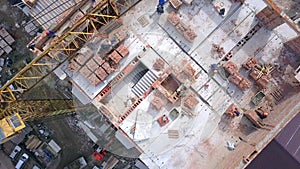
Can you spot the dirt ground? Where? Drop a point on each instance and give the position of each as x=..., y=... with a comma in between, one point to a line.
x=5, y=161
x=9, y=17
x=73, y=141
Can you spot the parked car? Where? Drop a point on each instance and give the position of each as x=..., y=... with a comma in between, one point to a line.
x=15, y=152
x=9, y=62
x=22, y=161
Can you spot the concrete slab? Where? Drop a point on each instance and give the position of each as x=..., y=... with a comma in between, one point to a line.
x=207, y=91
x=244, y=27
x=181, y=146
x=227, y=36
x=219, y=101
x=119, y=99
x=143, y=126
x=253, y=46
x=206, y=15
x=285, y=32
x=273, y=48
x=255, y=5
x=149, y=58
x=202, y=134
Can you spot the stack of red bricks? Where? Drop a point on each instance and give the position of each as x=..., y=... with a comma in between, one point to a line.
x=236, y=78
x=96, y=69
x=187, y=32
x=250, y=63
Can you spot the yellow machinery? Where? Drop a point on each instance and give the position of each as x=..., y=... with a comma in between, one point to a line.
x=9, y=126
x=14, y=116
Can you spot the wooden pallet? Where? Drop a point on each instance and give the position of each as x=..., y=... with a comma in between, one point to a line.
x=277, y=93
x=173, y=133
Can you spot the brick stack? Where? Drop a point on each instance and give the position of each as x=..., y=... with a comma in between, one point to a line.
x=95, y=67
x=187, y=32
x=250, y=63
x=236, y=78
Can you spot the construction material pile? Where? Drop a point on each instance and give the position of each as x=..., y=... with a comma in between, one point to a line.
x=185, y=30
x=97, y=67
x=236, y=78
x=261, y=75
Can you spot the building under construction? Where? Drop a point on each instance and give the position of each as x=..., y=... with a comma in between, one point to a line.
x=186, y=83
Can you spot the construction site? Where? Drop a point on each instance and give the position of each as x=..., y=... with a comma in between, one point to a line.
x=175, y=84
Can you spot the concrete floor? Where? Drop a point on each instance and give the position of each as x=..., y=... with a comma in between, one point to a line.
x=64, y=129
x=203, y=138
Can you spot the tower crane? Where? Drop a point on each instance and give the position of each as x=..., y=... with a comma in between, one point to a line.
x=14, y=110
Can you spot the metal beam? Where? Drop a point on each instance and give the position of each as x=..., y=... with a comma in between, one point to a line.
x=36, y=109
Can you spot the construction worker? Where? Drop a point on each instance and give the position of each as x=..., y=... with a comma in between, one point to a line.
x=263, y=115
x=222, y=11
x=214, y=68
x=161, y=2
x=160, y=6
x=236, y=112
x=160, y=9
x=31, y=46
x=164, y=118
x=50, y=33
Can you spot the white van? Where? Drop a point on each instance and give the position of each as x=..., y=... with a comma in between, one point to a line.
x=15, y=152
x=22, y=161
